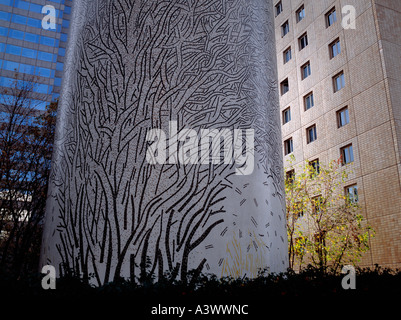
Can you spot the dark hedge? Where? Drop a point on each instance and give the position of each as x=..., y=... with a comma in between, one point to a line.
x=311, y=283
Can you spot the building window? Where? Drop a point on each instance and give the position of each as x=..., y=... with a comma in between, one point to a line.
x=16, y=18
x=26, y=68
x=314, y=167
x=287, y=115
x=342, y=117
x=22, y=5
x=339, y=81
x=3, y=31
x=285, y=28
x=279, y=8
x=16, y=34
x=287, y=55
x=284, y=86
x=45, y=56
x=63, y=37
x=5, y=16
x=309, y=101
x=300, y=13
x=331, y=17
x=347, y=154
x=290, y=176
x=29, y=53
x=303, y=41
x=311, y=134
x=47, y=41
x=317, y=203
x=10, y=65
x=288, y=146
x=305, y=70
x=335, y=48
x=36, y=23
x=351, y=193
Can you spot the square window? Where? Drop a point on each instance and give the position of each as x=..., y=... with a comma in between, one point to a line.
x=21, y=4
x=7, y=2
x=16, y=34
x=285, y=28
x=300, y=13
x=18, y=19
x=41, y=88
x=290, y=176
x=303, y=41
x=5, y=16
x=284, y=86
x=311, y=134
x=317, y=203
x=67, y=9
x=287, y=55
x=305, y=70
x=331, y=17
x=16, y=50
x=31, y=37
x=35, y=8
x=65, y=23
x=47, y=41
x=342, y=117
x=309, y=101
x=287, y=115
x=279, y=8
x=351, y=192
x=26, y=68
x=3, y=31
x=10, y=65
x=334, y=48
x=36, y=23
x=29, y=53
x=59, y=66
x=347, y=154
x=57, y=82
x=43, y=72
x=314, y=167
x=63, y=37
x=61, y=52
x=45, y=56
x=288, y=146
x=339, y=81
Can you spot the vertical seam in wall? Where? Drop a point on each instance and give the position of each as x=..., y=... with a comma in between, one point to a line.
x=387, y=93
x=356, y=137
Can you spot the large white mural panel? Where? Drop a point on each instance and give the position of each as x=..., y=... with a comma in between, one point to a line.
x=168, y=149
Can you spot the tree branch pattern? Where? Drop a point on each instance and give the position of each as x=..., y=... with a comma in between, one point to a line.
x=137, y=65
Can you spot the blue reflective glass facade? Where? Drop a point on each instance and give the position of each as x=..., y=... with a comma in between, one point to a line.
x=26, y=47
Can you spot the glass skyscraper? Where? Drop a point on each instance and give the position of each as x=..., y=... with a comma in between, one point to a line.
x=29, y=48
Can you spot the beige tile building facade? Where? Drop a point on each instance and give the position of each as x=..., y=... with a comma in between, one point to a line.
x=339, y=74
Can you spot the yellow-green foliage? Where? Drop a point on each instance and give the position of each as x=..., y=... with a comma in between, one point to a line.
x=325, y=227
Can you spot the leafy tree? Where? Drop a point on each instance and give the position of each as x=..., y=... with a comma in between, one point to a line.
x=324, y=225
x=26, y=138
